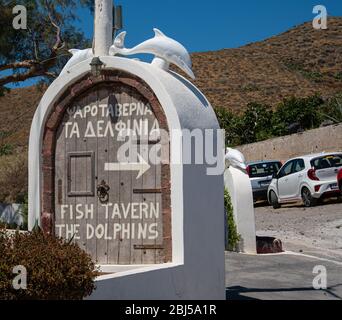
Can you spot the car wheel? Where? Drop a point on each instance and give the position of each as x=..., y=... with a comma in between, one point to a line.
x=307, y=198
x=274, y=200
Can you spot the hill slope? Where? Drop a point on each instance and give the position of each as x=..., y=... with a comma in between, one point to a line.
x=300, y=62
x=16, y=112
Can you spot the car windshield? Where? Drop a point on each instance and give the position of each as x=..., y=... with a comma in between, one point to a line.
x=263, y=169
x=328, y=161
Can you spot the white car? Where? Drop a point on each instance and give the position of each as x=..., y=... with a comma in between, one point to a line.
x=307, y=178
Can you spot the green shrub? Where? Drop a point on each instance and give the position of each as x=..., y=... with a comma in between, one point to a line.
x=256, y=123
x=4, y=90
x=332, y=109
x=304, y=111
x=233, y=238
x=226, y=120
x=313, y=75
x=4, y=134
x=6, y=149
x=250, y=87
x=294, y=65
x=338, y=75
x=24, y=213
x=56, y=270
x=251, y=126
x=261, y=122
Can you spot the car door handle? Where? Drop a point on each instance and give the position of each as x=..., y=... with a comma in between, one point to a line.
x=300, y=176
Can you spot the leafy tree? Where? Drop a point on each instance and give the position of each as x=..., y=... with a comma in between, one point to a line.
x=226, y=120
x=40, y=50
x=256, y=123
x=253, y=125
x=303, y=111
x=332, y=109
x=259, y=122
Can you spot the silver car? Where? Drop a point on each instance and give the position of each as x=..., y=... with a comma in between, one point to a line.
x=261, y=174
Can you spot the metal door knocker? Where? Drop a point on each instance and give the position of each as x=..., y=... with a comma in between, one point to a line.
x=102, y=191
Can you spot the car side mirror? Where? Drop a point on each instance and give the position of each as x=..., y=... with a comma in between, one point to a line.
x=275, y=175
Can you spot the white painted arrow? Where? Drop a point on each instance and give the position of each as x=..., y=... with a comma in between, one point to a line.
x=142, y=166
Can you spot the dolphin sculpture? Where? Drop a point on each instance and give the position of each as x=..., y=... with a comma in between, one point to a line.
x=235, y=159
x=77, y=57
x=165, y=50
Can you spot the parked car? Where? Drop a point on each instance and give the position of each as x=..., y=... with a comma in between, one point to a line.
x=307, y=178
x=261, y=174
x=339, y=180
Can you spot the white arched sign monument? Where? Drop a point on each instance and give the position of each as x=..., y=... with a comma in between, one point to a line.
x=156, y=228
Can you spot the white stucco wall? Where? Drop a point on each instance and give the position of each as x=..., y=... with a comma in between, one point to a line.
x=197, y=269
x=239, y=186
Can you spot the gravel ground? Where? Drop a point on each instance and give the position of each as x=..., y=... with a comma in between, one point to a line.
x=313, y=231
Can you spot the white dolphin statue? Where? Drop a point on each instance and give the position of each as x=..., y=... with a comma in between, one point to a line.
x=235, y=159
x=165, y=50
x=77, y=57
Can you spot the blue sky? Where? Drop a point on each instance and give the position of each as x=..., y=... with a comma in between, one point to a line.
x=211, y=25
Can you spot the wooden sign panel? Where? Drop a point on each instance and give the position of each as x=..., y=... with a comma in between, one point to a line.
x=113, y=209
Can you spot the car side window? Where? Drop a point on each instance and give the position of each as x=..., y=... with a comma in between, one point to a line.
x=287, y=169
x=299, y=165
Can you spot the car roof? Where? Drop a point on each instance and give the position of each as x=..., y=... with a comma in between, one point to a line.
x=263, y=161
x=315, y=155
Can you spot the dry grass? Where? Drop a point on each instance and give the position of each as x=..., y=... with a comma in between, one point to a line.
x=16, y=113
x=299, y=62
x=13, y=177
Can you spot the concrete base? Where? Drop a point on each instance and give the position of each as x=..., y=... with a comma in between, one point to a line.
x=158, y=282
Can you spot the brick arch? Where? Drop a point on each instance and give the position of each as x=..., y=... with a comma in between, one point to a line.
x=52, y=123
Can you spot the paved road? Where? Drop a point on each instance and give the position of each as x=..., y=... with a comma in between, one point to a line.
x=279, y=277
x=311, y=237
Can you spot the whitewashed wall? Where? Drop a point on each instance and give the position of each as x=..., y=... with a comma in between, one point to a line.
x=197, y=270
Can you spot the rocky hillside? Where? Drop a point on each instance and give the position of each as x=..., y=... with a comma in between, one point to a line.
x=16, y=112
x=300, y=62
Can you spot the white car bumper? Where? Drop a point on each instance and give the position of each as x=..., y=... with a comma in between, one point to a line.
x=324, y=187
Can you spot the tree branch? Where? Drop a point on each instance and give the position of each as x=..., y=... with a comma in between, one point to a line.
x=51, y=74
x=18, y=77
x=37, y=66
x=17, y=65
x=59, y=44
x=35, y=46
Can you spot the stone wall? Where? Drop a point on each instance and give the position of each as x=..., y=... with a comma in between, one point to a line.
x=286, y=147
